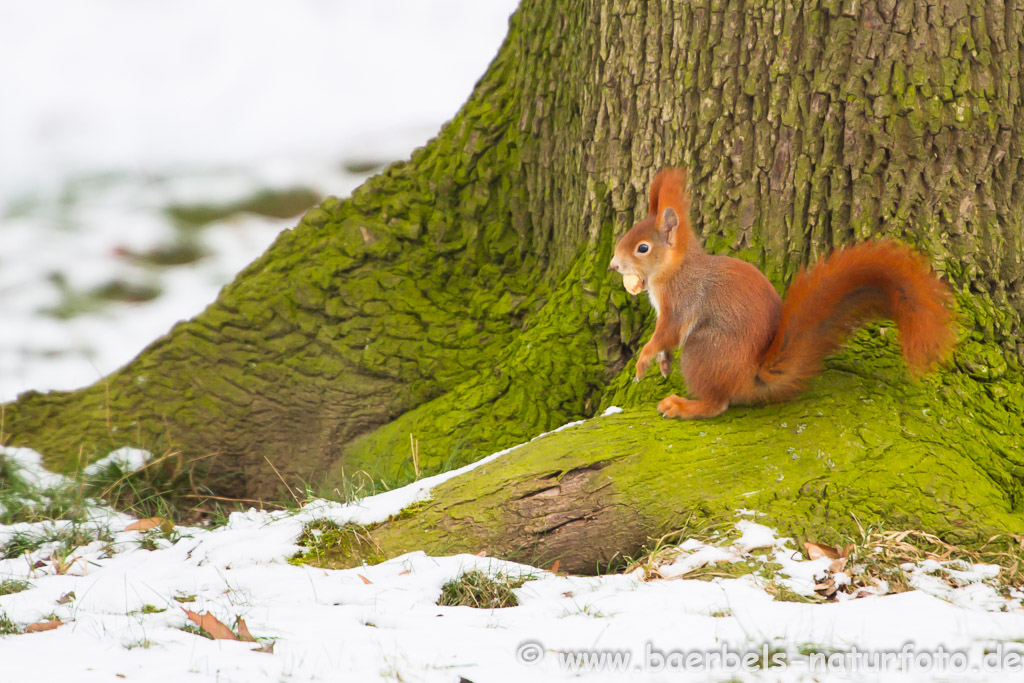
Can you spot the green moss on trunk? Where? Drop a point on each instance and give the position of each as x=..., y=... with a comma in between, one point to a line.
x=941, y=455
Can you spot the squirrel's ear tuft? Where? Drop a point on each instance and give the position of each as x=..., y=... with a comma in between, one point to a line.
x=669, y=224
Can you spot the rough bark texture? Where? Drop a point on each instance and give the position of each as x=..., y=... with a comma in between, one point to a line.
x=462, y=296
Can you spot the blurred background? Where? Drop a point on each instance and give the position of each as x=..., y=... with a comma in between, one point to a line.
x=151, y=149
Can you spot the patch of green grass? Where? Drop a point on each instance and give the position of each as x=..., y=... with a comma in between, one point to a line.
x=10, y=474
x=782, y=593
x=9, y=586
x=767, y=659
x=18, y=544
x=723, y=570
x=77, y=302
x=179, y=253
x=320, y=536
x=22, y=502
x=808, y=649
x=148, y=541
x=125, y=291
x=476, y=589
x=8, y=627
x=270, y=203
x=166, y=487
x=69, y=537
x=586, y=610
x=195, y=630
x=663, y=550
x=144, y=643
x=152, y=609
x=355, y=487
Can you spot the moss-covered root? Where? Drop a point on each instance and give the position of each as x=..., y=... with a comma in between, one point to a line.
x=853, y=451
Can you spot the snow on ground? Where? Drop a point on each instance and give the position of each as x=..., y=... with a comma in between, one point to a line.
x=124, y=611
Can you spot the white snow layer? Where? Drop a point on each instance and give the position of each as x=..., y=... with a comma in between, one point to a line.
x=127, y=459
x=124, y=610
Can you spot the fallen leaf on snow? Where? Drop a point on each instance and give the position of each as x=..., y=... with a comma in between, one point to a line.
x=826, y=588
x=146, y=524
x=41, y=626
x=817, y=550
x=211, y=624
x=554, y=567
x=365, y=580
x=243, y=631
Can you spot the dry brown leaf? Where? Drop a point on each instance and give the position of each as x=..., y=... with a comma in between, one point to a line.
x=482, y=553
x=243, y=631
x=211, y=624
x=818, y=550
x=266, y=647
x=146, y=524
x=847, y=549
x=41, y=626
x=407, y=571
x=554, y=567
x=837, y=565
x=365, y=580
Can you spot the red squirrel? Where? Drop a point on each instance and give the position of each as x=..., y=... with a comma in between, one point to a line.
x=740, y=342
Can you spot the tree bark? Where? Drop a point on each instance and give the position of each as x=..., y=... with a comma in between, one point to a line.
x=462, y=297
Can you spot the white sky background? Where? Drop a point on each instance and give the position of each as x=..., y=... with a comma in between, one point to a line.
x=143, y=85
x=110, y=110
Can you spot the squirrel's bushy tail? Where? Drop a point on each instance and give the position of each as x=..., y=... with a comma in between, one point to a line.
x=853, y=286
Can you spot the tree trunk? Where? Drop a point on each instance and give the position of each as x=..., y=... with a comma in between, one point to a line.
x=462, y=297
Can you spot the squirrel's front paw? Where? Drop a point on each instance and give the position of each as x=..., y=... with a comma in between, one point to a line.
x=642, y=365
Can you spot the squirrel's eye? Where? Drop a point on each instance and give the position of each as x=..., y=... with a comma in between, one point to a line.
x=643, y=248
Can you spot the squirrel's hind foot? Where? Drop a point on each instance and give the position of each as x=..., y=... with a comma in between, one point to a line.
x=685, y=409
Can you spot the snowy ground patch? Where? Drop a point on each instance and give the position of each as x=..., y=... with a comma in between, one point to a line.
x=122, y=598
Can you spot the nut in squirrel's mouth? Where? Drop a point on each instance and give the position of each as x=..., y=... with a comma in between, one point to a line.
x=633, y=283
